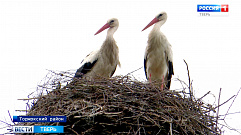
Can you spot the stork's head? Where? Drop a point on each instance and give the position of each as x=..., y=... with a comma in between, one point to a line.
x=161, y=17
x=112, y=23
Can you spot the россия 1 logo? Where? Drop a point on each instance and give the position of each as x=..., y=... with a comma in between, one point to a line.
x=213, y=9
x=224, y=8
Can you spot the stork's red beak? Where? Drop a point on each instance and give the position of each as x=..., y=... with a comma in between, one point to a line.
x=155, y=20
x=107, y=25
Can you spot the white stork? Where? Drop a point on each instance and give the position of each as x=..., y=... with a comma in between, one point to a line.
x=102, y=62
x=158, y=59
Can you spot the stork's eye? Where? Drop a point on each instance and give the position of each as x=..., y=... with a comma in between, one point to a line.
x=111, y=21
x=159, y=15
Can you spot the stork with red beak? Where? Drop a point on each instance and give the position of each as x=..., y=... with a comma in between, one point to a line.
x=102, y=62
x=158, y=60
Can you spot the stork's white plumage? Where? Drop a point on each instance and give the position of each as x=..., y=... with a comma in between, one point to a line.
x=102, y=62
x=158, y=60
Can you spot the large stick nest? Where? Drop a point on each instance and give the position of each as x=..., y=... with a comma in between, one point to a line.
x=121, y=105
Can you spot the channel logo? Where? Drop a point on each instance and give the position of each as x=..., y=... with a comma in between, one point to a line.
x=213, y=8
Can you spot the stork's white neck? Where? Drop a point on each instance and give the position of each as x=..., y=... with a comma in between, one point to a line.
x=158, y=25
x=156, y=37
x=110, y=49
x=111, y=32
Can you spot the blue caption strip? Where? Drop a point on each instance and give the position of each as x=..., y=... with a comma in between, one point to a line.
x=39, y=118
x=38, y=129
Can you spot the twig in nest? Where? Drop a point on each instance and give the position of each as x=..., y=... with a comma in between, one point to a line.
x=218, y=109
x=229, y=113
x=74, y=131
x=170, y=128
x=231, y=104
x=10, y=116
x=28, y=98
x=21, y=110
x=230, y=128
x=224, y=102
x=203, y=96
x=133, y=71
x=207, y=127
x=189, y=80
x=5, y=123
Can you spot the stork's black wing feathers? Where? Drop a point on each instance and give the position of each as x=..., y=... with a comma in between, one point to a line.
x=85, y=69
x=145, y=67
x=113, y=71
x=170, y=73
